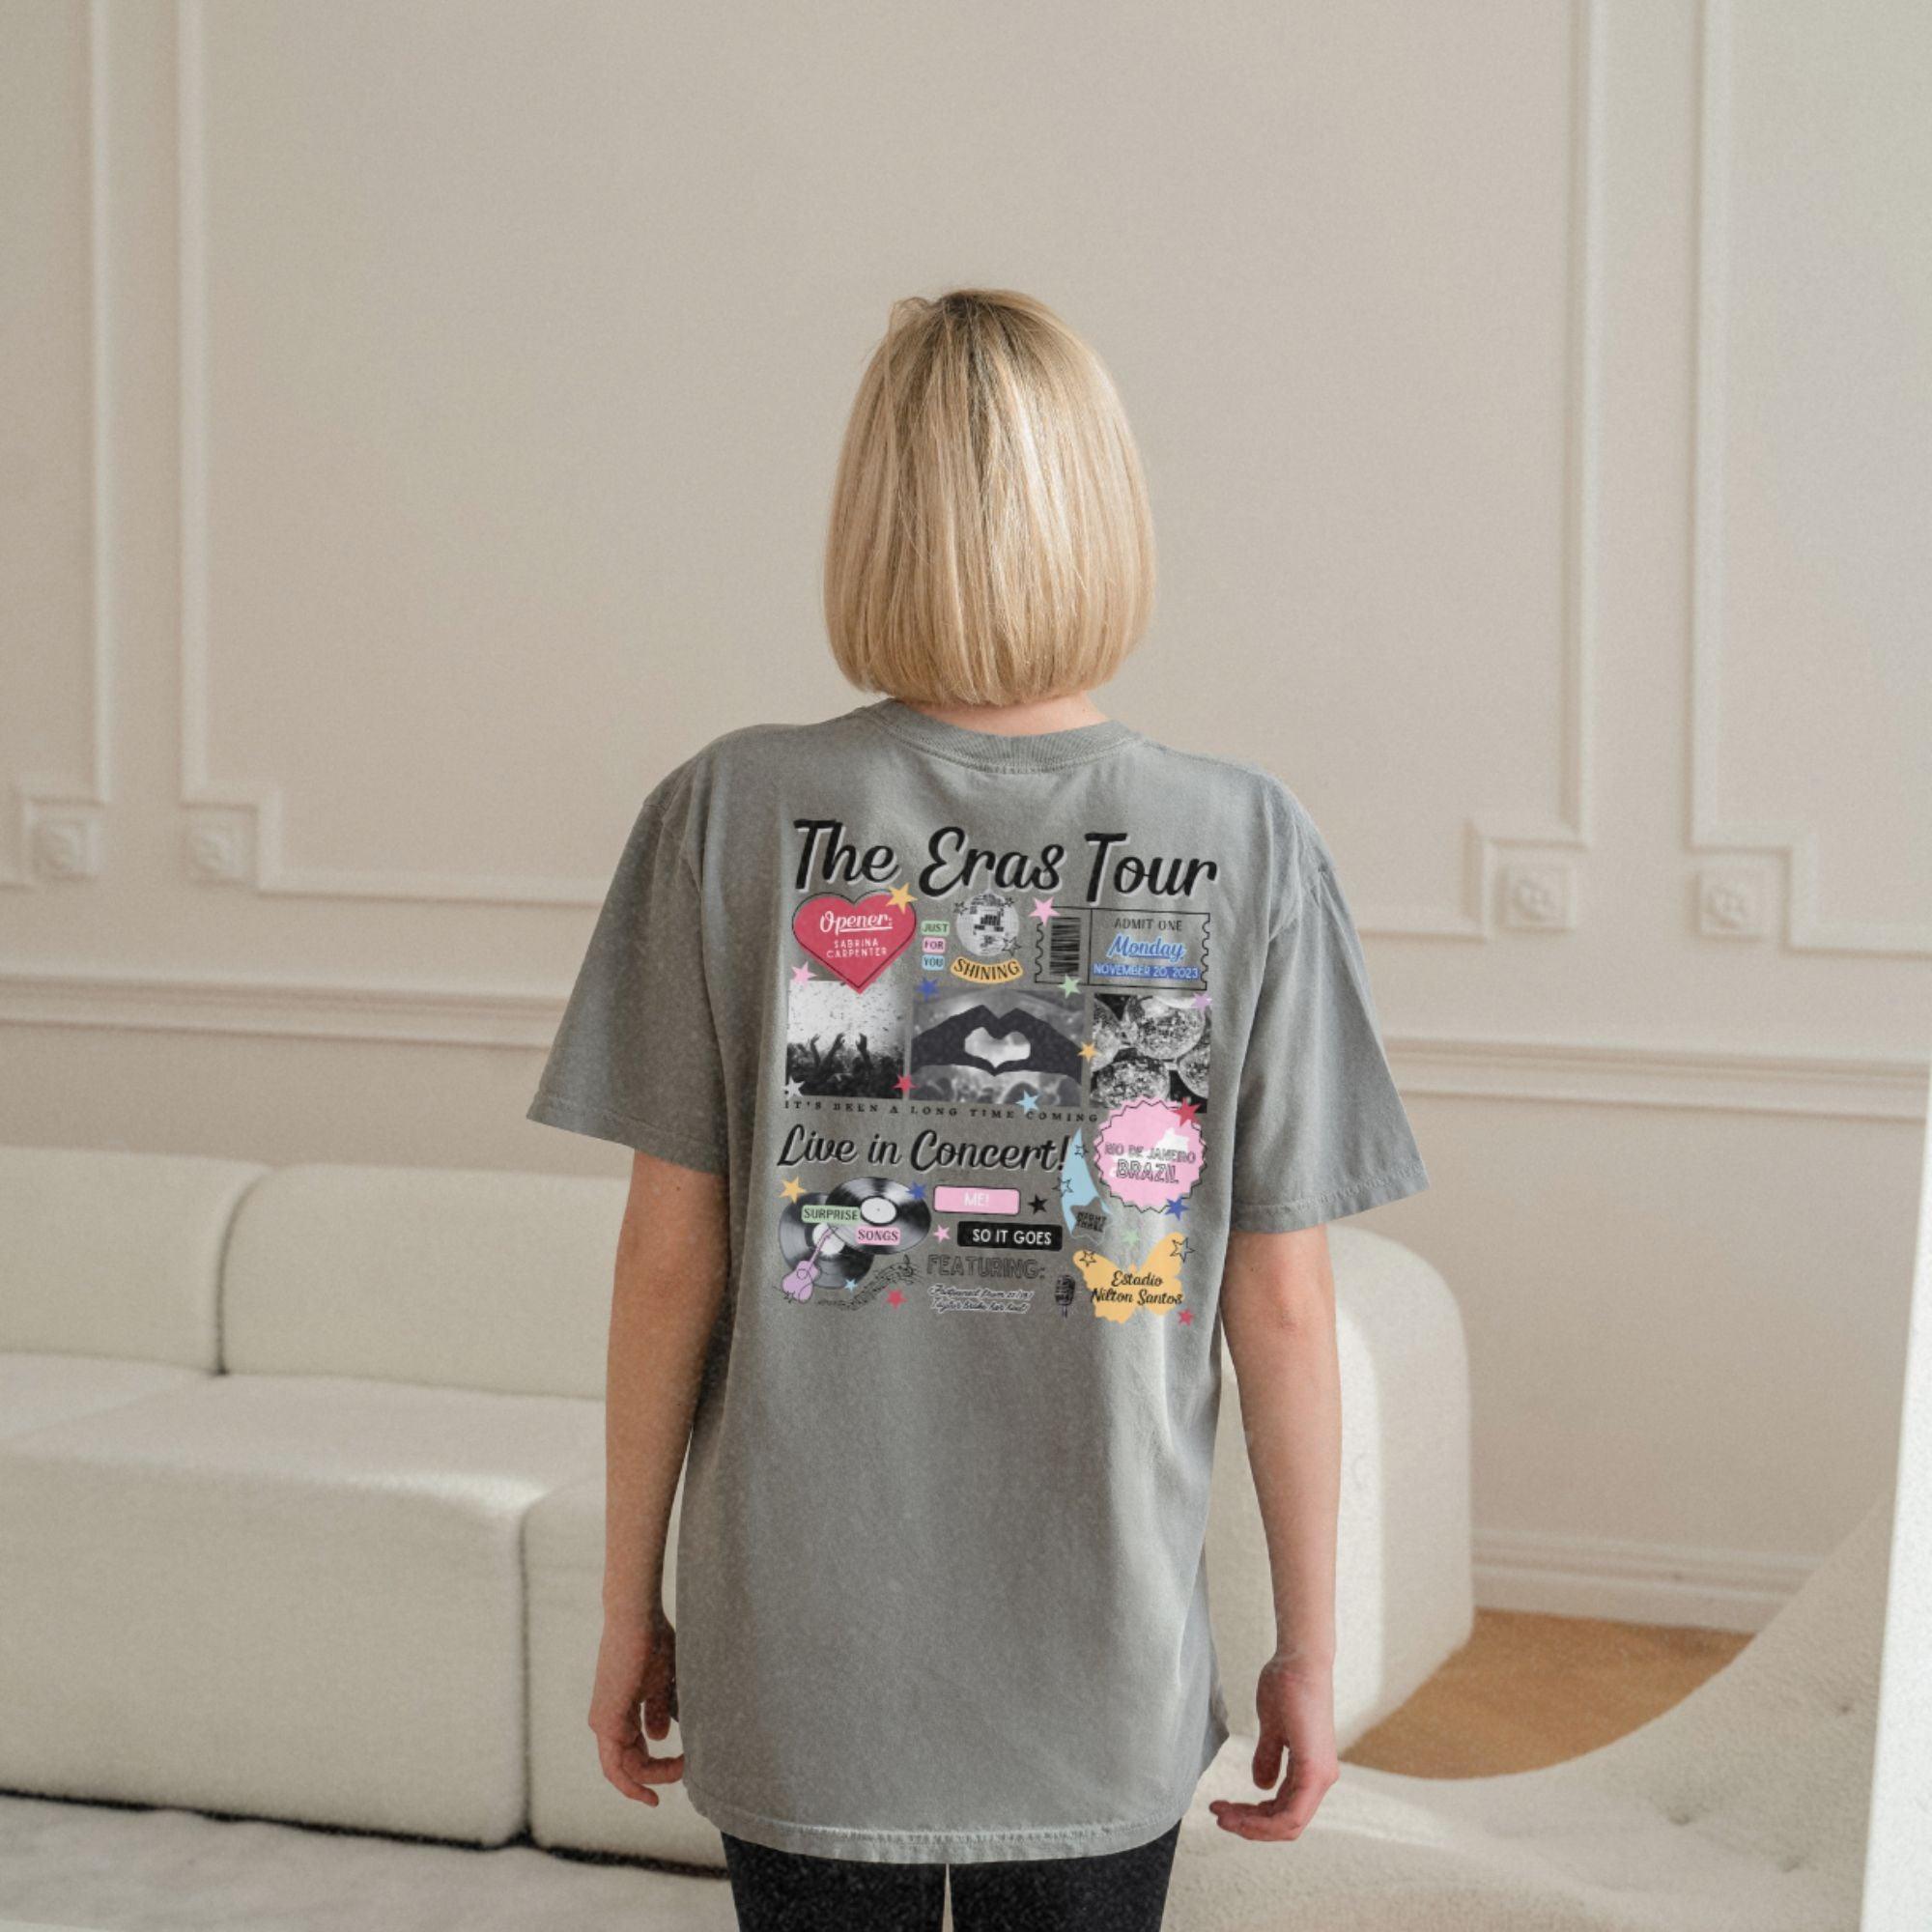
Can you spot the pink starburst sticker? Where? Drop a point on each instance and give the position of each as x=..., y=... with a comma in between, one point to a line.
x=1149, y=1153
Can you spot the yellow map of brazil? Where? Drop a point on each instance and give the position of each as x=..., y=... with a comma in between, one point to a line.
x=1119, y=1293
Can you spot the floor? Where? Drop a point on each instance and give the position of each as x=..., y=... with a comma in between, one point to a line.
x=1528, y=1691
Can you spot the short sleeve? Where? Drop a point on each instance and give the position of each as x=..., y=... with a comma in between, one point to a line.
x=1319, y=1130
x=636, y=1059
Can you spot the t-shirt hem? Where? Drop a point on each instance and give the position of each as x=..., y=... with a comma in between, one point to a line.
x=953, y=1848
x=1311, y=1211
x=582, y=1117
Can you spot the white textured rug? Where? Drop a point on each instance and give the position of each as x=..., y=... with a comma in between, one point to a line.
x=114, y=1869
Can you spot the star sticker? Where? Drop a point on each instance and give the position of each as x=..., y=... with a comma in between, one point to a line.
x=917, y=1190
x=1185, y=1315
x=1177, y=1207
x=900, y=897
x=800, y=975
x=1202, y=1002
x=894, y=1297
x=1069, y=985
x=1088, y=1049
x=927, y=987
x=791, y=1190
x=793, y=1090
x=1043, y=910
x=1039, y=1203
x=904, y=1083
x=1027, y=1102
x=940, y=1231
x=1187, y=1111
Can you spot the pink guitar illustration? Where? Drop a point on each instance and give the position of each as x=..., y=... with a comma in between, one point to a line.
x=798, y=1282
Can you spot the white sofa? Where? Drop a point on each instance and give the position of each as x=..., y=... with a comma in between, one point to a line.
x=300, y=1495
x=1742, y=1808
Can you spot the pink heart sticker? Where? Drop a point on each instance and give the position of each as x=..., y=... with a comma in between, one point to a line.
x=857, y=940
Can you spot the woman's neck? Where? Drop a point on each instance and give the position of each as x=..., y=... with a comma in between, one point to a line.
x=1018, y=721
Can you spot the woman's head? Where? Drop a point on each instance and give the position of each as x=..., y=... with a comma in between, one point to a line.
x=990, y=541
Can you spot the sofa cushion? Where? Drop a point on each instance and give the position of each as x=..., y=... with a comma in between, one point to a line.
x=289, y=1596
x=453, y=1277
x=114, y=1254
x=36, y=1390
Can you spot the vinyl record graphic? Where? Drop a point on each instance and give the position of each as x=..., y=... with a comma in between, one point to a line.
x=838, y=1265
x=889, y=1221
x=883, y=1205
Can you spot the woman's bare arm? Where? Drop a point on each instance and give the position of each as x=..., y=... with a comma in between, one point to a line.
x=1278, y=1309
x=668, y=1286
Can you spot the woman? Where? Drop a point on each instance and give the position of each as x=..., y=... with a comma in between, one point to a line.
x=984, y=1059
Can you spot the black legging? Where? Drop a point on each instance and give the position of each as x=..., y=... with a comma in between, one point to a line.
x=1105, y=1891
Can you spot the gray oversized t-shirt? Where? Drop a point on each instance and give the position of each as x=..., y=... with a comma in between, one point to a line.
x=996, y=1039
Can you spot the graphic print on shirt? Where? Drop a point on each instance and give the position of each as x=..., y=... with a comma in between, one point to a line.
x=1024, y=1089
x=845, y=1033
x=833, y=1239
x=1121, y=1292
x=981, y=1034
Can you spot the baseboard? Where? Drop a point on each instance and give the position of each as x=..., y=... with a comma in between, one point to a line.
x=1633, y=1582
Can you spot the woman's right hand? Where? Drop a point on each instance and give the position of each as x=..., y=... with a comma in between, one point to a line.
x=637, y=1669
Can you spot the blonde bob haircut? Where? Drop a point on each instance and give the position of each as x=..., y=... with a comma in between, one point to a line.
x=990, y=541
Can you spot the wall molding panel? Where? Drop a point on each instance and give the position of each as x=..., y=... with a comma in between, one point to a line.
x=60, y=824
x=1553, y=846
x=1791, y=844
x=233, y=833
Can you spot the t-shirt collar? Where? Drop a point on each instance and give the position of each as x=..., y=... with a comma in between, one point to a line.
x=999, y=751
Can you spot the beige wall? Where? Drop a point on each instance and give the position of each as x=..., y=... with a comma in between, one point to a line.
x=417, y=425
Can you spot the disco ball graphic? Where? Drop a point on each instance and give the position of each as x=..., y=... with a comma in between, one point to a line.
x=987, y=925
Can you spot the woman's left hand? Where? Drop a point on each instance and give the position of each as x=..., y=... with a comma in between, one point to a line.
x=1295, y=1703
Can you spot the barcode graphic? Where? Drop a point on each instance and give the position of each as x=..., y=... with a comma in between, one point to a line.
x=1063, y=949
